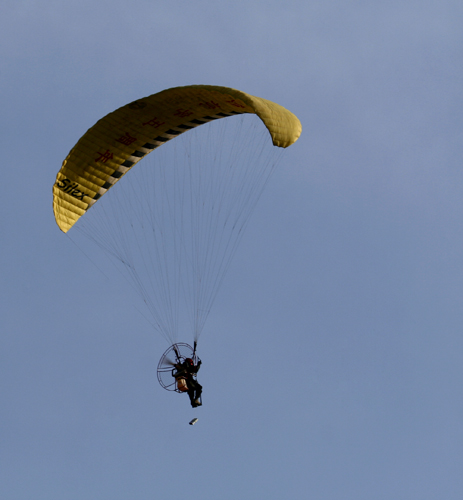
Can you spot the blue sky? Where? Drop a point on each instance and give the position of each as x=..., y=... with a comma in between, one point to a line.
x=333, y=354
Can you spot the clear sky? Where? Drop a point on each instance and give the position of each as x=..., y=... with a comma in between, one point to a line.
x=332, y=359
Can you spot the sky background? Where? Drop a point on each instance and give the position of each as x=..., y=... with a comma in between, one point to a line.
x=333, y=356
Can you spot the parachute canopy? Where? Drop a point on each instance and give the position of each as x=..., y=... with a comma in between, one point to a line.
x=119, y=140
x=173, y=225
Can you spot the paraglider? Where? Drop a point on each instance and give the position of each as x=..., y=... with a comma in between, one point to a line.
x=185, y=377
x=174, y=229
x=177, y=371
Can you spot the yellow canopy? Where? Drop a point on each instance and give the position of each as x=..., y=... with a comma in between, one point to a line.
x=119, y=140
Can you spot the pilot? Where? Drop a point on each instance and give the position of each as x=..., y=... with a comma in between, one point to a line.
x=186, y=382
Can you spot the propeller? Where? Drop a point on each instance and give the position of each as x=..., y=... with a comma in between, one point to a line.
x=167, y=362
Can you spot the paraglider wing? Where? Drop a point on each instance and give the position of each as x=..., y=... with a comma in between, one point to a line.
x=119, y=140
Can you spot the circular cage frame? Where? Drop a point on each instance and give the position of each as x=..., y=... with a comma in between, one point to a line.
x=175, y=354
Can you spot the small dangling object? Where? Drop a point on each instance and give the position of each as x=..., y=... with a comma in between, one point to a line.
x=193, y=422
